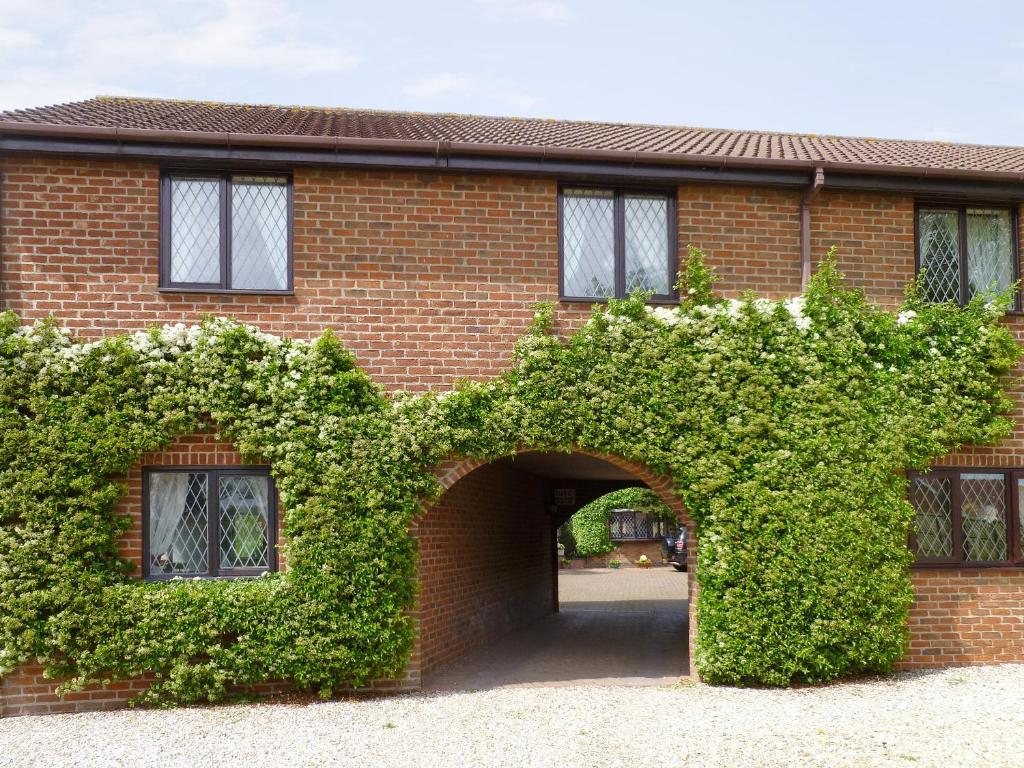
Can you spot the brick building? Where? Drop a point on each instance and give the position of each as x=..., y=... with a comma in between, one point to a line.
x=424, y=242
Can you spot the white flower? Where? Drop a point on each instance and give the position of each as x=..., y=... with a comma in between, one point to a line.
x=795, y=307
x=666, y=315
x=905, y=317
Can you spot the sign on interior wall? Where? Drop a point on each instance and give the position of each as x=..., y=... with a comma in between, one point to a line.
x=565, y=497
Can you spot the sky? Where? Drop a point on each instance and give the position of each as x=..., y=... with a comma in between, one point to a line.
x=918, y=70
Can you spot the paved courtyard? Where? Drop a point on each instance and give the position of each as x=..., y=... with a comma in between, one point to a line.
x=614, y=627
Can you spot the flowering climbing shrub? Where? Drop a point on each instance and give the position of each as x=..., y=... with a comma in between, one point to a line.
x=784, y=425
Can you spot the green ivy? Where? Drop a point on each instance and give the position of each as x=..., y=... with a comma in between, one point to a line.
x=784, y=425
x=590, y=522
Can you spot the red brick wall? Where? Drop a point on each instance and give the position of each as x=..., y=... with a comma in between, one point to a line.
x=967, y=616
x=874, y=235
x=751, y=236
x=26, y=692
x=428, y=278
x=486, y=562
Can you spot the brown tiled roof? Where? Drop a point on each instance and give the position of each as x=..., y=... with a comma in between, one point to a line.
x=157, y=119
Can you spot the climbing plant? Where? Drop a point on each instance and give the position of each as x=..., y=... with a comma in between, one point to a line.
x=590, y=522
x=785, y=425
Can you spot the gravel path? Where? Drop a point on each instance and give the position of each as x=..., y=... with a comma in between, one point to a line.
x=970, y=717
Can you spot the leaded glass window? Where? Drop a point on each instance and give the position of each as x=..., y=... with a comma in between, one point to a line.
x=932, y=498
x=646, y=248
x=179, y=523
x=588, y=243
x=966, y=517
x=616, y=242
x=259, y=233
x=226, y=232
x=963, y=251
x=630, y=524
x=195, y=231
x=983, y=511
x=209, y=522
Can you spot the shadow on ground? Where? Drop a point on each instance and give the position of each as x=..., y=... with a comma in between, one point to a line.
x=625, y=627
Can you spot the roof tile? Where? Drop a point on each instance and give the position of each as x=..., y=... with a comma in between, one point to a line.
x=263, y=120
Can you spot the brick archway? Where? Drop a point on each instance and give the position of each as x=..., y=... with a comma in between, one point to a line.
x=450, y=475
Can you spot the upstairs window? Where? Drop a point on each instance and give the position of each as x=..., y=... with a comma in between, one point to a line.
x=208, y=522
x=967, y=517
x=964, y=250
x=614, y=242
x=226, y=232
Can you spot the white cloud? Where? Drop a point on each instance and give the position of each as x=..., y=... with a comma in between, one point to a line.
x=448, y=90
x=12, y=40
x=81, y=51
x=441, y=84
x=242, y=36
x=544, y=10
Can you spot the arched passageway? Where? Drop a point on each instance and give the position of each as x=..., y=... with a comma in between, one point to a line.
x=495, y=607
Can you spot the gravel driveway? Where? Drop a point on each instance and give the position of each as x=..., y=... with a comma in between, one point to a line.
x=969, y=717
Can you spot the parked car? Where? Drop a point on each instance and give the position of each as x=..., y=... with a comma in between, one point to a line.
x=674, y=548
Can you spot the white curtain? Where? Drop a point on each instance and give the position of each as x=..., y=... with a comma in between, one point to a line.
x=989, y=250
x=195, y=231
x=647, y=244
x=167, y=494
x=261, y=491
x=259, y=234
x=588, y=243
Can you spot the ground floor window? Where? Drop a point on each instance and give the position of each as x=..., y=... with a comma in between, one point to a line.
x=967, y=516
x=208, y=521
x=630, y=525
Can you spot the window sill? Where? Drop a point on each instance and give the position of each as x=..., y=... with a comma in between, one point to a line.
x=583, y=300
x=176, y=577
x=226, y=291
x=963, y=566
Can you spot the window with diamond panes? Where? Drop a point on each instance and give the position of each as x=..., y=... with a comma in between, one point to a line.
x=965, y=250
x=615, y=242
x=967, y=517
x=209, y=522
x=244, y=521
x=932, y=498
x=226, y=232
x=628, y=524
x=983, y=514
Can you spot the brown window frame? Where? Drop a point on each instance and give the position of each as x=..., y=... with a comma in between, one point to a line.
x=961, y=210
x=1013, y=523
x=213, y=473
x=167, y=176
x=619, y=241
